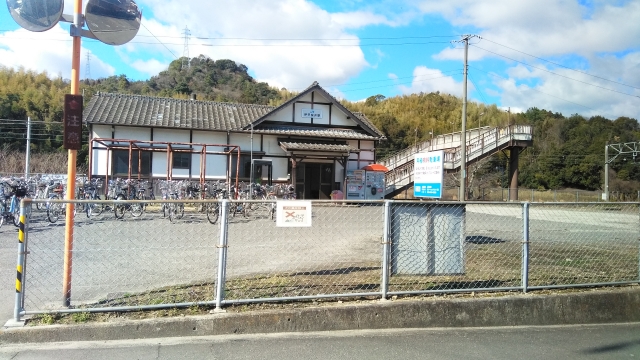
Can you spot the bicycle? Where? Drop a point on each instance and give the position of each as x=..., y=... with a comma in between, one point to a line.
x=55, y=209
x=217, y=192
x=171, y=191
x=128, y=192
x=90, y=192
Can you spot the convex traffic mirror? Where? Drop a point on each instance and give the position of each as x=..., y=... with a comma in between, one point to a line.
x=36, y=15
x=114, y=22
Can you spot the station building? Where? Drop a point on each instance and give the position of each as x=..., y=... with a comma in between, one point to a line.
x=308, y=141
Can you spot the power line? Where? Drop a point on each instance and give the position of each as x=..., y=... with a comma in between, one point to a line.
x=563, y=66
x=542, y=92
x=553, y=73
x=478, y=88
x=165, y=46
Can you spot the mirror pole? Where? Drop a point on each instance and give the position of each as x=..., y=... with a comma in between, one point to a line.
x=71, y=164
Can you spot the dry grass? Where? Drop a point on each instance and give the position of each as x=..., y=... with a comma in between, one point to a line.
x=13, y=162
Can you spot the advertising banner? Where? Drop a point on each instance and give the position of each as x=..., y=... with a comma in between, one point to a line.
x=428, y=174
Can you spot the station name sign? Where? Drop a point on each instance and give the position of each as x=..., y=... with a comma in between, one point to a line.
x=312, y=113
x=72, y=118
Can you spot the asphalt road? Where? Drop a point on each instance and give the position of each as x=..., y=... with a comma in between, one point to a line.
x=618, y=341
x=116, y=257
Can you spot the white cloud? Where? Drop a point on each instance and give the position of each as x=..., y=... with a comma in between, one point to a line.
x=584, y=94
x=545, y=29
x=587, y=36
x=273, y=54
x=151, y=67
x=431, y=80
x=48, y=51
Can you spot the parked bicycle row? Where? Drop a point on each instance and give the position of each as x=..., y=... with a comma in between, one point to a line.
x=12, y=190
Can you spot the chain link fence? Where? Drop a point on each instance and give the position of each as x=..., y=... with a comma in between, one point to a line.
x=220, y=253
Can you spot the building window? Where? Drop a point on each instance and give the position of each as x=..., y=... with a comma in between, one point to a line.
x=120, y=163
x=181, y=160
x=245, y=165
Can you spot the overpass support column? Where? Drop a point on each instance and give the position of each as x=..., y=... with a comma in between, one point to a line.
x=513, y=173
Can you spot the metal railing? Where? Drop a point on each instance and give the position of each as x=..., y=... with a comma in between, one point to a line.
x=481, y=142
x=373, y=249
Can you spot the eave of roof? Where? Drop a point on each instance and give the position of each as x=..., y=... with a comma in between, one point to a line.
x=291, y=146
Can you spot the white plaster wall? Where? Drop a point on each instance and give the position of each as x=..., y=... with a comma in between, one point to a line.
x=210, y=137
x=283, y=115
x=339, y=173
x=159, y=164
x=244, y=141
x=132, y=133
x=367, y=155
x=271, y=147
x=159, y=159
x=367, y=145
x=101, y=163
x=216, y=164
x=170, y=135
x=279, y=168
x=101, y=131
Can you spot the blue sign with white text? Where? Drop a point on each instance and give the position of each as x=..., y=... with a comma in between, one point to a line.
x=428, y=190
x=428, y=174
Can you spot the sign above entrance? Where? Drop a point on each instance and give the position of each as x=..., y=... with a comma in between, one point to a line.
x=312, y=113
x=428, y=174
x=293, y=213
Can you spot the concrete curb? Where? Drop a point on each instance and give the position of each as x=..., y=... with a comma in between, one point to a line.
x=599, y=306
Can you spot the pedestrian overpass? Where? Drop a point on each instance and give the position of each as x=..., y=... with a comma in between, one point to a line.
x=481, y=143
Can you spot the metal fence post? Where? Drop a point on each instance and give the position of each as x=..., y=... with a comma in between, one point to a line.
x=384, y=287
x=222, y=254
x=22, y=239
x=525, y=247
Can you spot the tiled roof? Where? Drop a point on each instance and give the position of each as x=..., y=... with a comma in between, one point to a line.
x=137, y=110
x=288, y=146
x=316, y=132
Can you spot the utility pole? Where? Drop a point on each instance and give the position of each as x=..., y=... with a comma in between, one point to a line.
x=606, y=172
x=463, y=141
x=28, y=157
x=251, y=170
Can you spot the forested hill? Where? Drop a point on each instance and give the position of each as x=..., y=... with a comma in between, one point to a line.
x=567, y=151
x=215, y=80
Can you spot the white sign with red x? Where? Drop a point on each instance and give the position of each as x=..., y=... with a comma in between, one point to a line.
x=295, y=213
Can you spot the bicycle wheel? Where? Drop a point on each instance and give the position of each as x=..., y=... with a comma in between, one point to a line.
x=213, y=212
x=119, y=209
x=136, y=209
x=95, y=209
x=53, y=212
x=16, y=216
x=179, y=213
x=39, y=205
x=172, y=211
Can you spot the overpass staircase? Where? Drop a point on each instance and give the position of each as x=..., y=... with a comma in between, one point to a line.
x=481, y=143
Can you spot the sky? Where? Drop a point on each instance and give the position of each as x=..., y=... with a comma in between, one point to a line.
x=567, y=56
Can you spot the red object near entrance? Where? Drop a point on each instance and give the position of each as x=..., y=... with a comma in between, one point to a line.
x=375, y=167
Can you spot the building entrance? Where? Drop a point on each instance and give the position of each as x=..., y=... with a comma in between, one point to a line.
x=314, y=180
